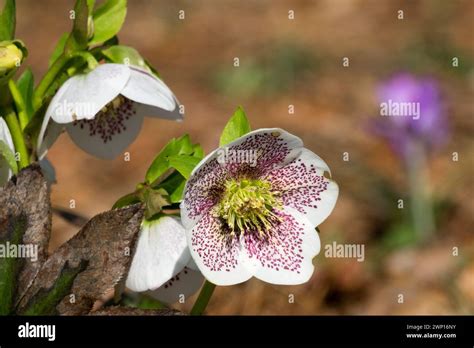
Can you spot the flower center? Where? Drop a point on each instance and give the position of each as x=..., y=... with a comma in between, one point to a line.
x=248, y=205
x=110, y=120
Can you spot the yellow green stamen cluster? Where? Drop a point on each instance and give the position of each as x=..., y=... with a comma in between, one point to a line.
x=249, y=205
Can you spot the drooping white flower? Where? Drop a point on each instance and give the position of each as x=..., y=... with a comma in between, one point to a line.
x=162, y=264
x=103, y=110
x=6, y=137
x=257, y=216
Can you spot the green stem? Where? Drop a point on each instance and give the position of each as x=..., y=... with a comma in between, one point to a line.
x=203, y=298
x=48, y=79
x=56, y=70
x=17, y=136
x=20, y=104
x=421, y=209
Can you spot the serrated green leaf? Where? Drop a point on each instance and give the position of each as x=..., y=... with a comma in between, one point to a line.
x=125, y=55
x=184, y=164
x=8, y=21
x=59, y=49
x=185, y=146
x=237, y=126
x=108, y=20
x=155, y=200
x=9, y=156
x=181, y=146
x=198, y=151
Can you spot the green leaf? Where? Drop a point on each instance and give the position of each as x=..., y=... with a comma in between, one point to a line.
x=45, y=301
x=128, y=199
x=184, y=164
x=25, y=85
x=237, y=126
x=108, y=19
x=177, y=195
x=155, y=200
x=125, y=55
x=198, y=151
x=161, y=163
x=9, y=156
x=78, y=39
x=59, y=49
x=8, y=21
x=174, y=185
x=10, y=266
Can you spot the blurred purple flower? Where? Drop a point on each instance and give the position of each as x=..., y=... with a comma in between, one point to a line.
x=429, y=128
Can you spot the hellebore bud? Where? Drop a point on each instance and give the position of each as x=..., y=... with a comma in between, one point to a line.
x=10, y=59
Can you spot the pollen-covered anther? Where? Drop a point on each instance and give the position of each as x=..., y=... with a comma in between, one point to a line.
x=249, y=206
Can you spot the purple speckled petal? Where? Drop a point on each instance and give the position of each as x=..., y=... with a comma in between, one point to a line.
x=304, y=188
x=221, y=263
x=202, y=190
x=273, y=148
x=287, y=257
x=107, y=135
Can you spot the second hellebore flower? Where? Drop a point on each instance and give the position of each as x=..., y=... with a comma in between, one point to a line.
x=249, y=217
x=162, y=265
x=103, y=110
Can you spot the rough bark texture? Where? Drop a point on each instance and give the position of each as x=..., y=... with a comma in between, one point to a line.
x=26, y=196
x=96, y=259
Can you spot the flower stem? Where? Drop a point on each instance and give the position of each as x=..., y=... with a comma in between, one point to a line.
x=17, y=136
x=48, y=79
x=57, y=69
x=20, y=103
x=203, y=298
x=421, y=209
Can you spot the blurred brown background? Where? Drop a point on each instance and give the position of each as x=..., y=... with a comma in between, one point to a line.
x=299, y=62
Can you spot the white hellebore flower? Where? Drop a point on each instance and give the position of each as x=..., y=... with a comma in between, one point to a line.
x=248, y=216
x=6, y=137
x=162, y=263
x=103, y=110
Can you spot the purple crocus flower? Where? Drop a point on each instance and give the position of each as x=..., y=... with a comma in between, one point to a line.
x=426, y=125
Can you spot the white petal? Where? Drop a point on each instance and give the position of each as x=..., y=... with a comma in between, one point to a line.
x=108, y=145
x=157, y=99
x=304, y=186
x=220, y=263
x=49, y=133
x=272, y=148
x=287, y=257
x=161, y=254
x=83, y=96
x=185, y=283
x=6, y=137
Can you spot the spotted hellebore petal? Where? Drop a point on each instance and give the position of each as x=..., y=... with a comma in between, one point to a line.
x=103, y=110
x=6, y=137
x=185, y=283
x=248, y=217
x=162, y=263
